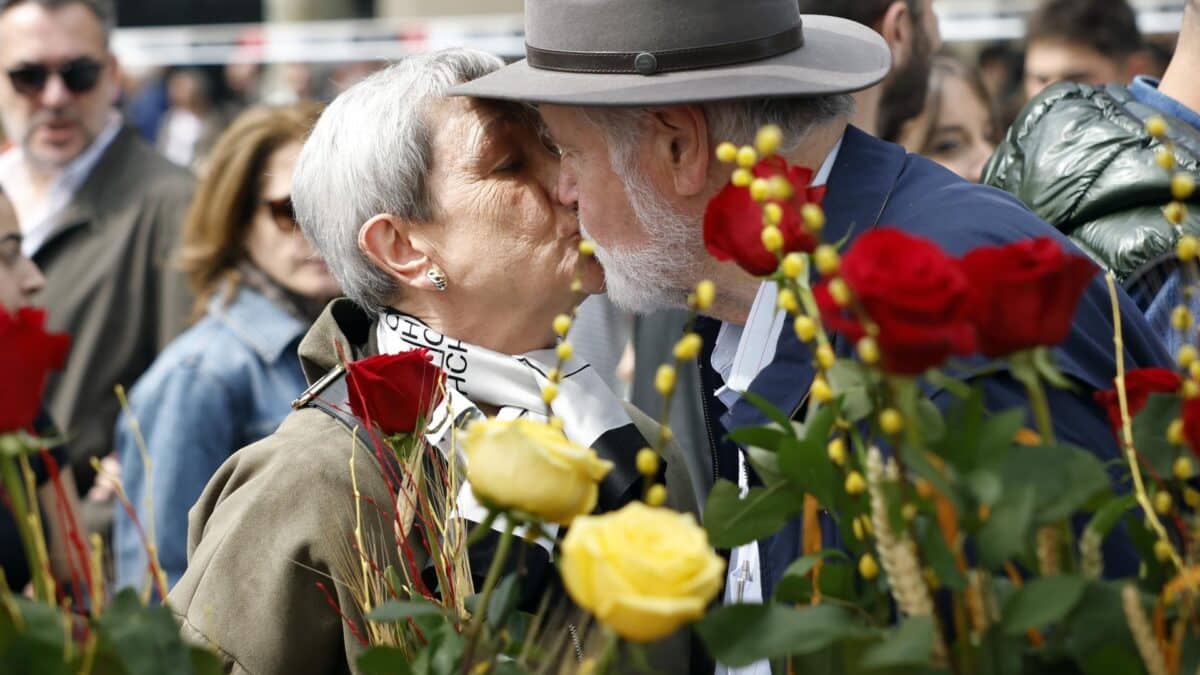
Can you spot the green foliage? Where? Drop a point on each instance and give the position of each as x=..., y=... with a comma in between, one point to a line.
x=1006, y=532
x=909, y=644
x=1150, y=431
x=1041, y=602
x=738, y=635
x=732, y=521
x=131, y=639
x=804, y=462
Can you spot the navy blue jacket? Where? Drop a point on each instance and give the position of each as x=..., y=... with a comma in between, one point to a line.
x=875, y=183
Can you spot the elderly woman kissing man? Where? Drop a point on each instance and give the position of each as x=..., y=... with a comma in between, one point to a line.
x=438, y=218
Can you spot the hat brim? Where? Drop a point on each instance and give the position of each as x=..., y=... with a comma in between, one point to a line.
x=839, y=56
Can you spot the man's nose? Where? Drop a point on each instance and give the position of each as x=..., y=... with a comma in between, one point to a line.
x=55, y=94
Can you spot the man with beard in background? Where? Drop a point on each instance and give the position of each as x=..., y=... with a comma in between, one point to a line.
x=99, y=212
x=910, y=29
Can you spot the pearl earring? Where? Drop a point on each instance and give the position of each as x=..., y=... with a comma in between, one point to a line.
x=437, y=278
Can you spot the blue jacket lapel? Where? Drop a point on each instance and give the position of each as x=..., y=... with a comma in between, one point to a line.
x=859, y=187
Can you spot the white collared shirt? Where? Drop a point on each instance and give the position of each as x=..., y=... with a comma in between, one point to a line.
x=37, y=226
x=739, y=355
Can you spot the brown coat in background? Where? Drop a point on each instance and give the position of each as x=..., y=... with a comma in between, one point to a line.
x=109, y=285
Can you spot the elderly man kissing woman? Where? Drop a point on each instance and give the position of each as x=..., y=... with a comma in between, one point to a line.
x=438, y=218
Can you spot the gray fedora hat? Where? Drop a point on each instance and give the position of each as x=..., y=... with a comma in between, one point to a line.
x=663, y=52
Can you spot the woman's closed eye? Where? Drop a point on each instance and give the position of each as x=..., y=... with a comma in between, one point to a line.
x=513, y=163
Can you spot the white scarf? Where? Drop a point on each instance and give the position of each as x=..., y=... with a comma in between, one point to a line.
x=591, y=414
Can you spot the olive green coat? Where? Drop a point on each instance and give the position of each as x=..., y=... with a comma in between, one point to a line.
x=1081, y=158
x=276, y=521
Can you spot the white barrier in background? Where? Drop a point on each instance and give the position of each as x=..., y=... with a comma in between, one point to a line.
x=390, y=39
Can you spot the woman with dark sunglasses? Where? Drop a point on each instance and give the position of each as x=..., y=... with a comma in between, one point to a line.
x=230, y=379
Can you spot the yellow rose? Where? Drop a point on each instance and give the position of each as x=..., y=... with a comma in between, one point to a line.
x=642, y=571
x=532, y=467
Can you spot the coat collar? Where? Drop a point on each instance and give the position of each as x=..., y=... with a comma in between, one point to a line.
x=343, y=326
x=259, y=323
x=859, y=189
x=111, y=175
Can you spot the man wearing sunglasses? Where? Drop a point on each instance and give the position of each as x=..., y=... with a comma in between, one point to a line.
x=99, y=210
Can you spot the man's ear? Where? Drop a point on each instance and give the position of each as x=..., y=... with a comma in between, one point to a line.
x=386, y=241
x=896, y=27
x=681, y=149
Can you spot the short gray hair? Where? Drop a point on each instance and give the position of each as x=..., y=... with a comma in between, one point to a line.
x=371, y=153
x=735, y=121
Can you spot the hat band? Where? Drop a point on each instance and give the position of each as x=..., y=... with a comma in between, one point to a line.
x=649, y=63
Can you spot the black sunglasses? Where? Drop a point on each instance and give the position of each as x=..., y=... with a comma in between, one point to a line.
x=282, y=213
x=78, y=75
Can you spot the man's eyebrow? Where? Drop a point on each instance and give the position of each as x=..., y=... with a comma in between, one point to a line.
x=12, y=236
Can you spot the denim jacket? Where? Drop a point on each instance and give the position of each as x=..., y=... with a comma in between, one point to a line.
x=224, y=384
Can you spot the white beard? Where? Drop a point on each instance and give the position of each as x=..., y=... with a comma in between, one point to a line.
x=660, y=273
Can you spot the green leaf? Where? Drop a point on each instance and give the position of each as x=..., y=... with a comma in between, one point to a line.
x=1041, y=602
x=938, y=554
x=911, y=643
x=1007, y=529
x=806, y=564
x=1066, y=478
x=39, y=647
x=952, y=384
x=1096, y=635
x=732, y=521
x=805, y=462
x=403, y=610
x=853, y=384
x=795, y=585
x=985, y=485
x=1107, y=516
x=766, y=464
x=1043, y=363
x=774, y=414
x=933, y=427
x=1150, y=431
x=384, y=661
x=767, y=438
x=503, y=601
x=738, y=635
x=1000, y=654
x=204, y=662
x=145, y=640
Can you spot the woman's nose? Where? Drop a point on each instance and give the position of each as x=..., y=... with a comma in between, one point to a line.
x=30, y=277
x=566, y=190
x=983, y=152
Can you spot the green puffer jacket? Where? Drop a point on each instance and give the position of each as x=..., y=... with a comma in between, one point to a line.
x=1080, y=157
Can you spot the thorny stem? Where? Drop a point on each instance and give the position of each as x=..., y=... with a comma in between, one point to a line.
x=1139, y=484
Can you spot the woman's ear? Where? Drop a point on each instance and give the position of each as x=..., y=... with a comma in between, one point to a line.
x=386, y=241
x=679, y=141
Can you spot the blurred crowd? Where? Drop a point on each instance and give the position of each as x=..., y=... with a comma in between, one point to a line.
x=150, y=212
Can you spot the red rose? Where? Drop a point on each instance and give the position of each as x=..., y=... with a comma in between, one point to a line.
x=1024, y=295
x=1191, y=424
x=1139, y=384
x=733, y=222
x=914, y=293
x=394, y=391
x=27, y=354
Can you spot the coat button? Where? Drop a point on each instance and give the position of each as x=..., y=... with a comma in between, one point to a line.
x=645, y=63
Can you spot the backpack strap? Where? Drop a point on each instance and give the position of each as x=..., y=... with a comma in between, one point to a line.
x=331, y=396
